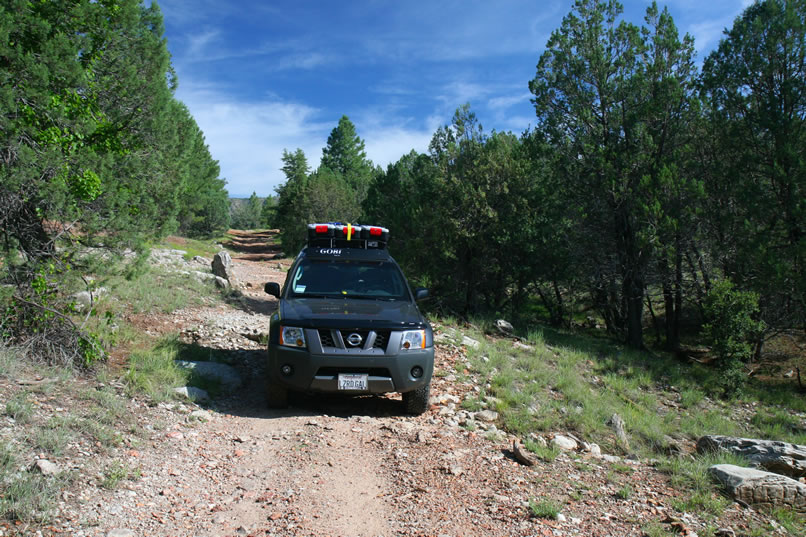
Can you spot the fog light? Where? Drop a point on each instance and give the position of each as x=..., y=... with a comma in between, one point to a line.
x=286, y=370
x=416, y=371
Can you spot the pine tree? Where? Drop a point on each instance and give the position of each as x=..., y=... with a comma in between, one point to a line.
x=345, y=155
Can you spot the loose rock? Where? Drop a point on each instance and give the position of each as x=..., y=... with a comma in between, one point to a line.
x=618, y=426
x=563, y=442
x=47, y=467
x=121, y=532
x=757, y=487
x=226, y=375
x=486, y=415
x=222, y=266
x=504, y=327
x=522, y=454
x=779, y=457
x=470, y=342
x=193, y=393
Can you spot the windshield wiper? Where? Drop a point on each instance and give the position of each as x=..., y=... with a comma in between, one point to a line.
x=373, y=297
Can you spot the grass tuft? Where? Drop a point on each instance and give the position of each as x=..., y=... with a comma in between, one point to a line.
x=154, y=372
x=20, y=408
x=624, y=492
x=544, y=453
x=114, y=474
x=32, y=497
x=54, y=437
x=691, y=475
x=544, y=509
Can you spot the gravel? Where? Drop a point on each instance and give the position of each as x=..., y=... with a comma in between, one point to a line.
x=339, y=466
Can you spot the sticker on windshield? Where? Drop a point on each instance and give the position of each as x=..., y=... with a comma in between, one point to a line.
x=299, y=288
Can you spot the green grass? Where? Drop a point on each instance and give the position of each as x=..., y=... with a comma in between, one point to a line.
x=193, y=247
x=20, y=408
x=106, y=436
x=790, y=520
x=776, y=423
x=624, y=469
x=552, y=388
x=105, y=398
x=7, y=460
x=544, y=453
x=28, y=496
x=544, y=509
x=624, y=492
x=573, y=382
x=114, y=474
x=691, y=397
x=656, y=529
x=53, y=437
x=691, y=475
x=473, y=404
x=9, y=361
x=153, y=371
x=702, y=502
x=161, y=292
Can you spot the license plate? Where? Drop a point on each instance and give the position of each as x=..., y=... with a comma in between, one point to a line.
x=352, y=382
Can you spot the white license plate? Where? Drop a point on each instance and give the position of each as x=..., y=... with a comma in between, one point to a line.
x=352, y=382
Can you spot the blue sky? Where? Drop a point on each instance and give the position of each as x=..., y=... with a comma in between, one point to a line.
x=260, y=77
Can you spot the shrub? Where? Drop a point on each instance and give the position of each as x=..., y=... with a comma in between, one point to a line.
x=730, y=328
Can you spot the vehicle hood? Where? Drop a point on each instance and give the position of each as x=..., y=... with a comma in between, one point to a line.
x=350, y=313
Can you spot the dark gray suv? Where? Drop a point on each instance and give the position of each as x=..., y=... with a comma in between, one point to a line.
x=347, y=322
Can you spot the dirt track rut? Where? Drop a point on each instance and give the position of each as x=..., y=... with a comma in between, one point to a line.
x=336, y=466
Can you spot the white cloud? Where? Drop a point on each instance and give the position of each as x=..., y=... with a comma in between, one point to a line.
x=517, y=124
x=248, y=138
x=198, y=43
x=458, y=93
x=707, y=34
x=498, y=103
x=387, y=145
x=303, y=60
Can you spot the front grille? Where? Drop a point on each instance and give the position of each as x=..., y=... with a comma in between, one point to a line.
x=346, y=333
x=371, y=371
x=381, y=339
x=326, y=338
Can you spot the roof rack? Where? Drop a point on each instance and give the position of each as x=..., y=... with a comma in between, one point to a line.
x=338, y=235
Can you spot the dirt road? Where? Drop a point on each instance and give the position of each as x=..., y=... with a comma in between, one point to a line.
x=344, y=466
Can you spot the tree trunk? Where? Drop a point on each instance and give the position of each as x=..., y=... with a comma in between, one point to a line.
x=655, y=322
x=470, y=290
x=634, y=295
x=560, y=304
x=678, y=296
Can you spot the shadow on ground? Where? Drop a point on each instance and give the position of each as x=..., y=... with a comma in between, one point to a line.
x=682, y=370
x=249, y=400
x=262, y=306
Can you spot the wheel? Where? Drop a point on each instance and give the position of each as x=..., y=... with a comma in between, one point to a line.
x=416, y=401
x=276, y=395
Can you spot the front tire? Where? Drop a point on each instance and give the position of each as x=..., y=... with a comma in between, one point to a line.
x=416, y=401
x=276, y=395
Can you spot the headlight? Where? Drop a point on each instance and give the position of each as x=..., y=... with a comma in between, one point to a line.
x=413, y=339
x=292, y=336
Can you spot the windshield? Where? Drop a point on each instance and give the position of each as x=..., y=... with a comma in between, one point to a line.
x=324, y=278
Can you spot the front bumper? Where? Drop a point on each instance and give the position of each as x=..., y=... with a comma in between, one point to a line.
x=319, y=372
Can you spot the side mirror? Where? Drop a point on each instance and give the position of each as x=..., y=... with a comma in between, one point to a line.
x=272, y=288
x=420, y=293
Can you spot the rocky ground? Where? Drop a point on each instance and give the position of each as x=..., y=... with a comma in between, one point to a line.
x=346, y=466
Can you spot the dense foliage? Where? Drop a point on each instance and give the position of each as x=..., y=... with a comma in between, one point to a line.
x=95, y=150
x=648, y=194
x=332, y=192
